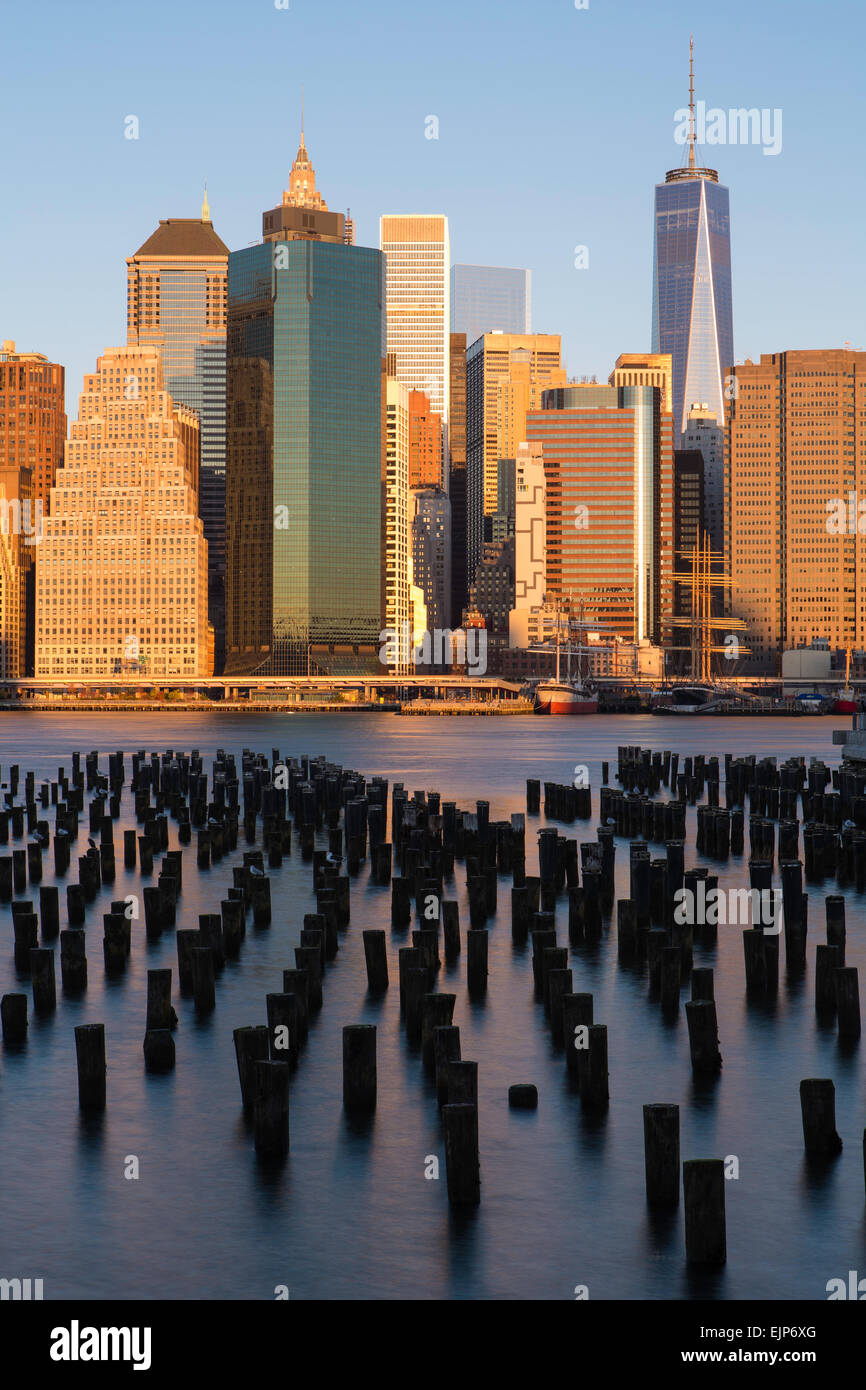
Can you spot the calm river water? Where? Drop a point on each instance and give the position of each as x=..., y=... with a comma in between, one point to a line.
x=351, y=1215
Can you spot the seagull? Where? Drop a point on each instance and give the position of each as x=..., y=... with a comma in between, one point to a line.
x=92, y=843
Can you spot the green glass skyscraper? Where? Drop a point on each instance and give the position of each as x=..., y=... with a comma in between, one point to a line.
x=303, y=451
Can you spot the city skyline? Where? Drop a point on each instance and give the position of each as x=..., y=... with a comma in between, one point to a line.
x=595, y=206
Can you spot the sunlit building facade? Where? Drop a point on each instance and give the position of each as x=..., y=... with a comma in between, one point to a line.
x=176, y=301
x=304, y=458
x=692, y=315
x=122, y=585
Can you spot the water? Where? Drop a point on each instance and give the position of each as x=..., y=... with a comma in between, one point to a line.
x=351, y=1215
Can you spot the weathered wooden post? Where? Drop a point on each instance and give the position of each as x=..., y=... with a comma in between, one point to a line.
x=460, y=1122
x=202, y=962
x=13, y=1018
x=446, y=1048
x=826, y=964
x=437, y=1011
x=576, y=1019
x=90, y=1058
x=661, y=1136
x=592, y=1068
x=847, y=1001
x=271, y=1110
x=251, y=1046
x=42, y=977
x=703, y=1035
x=359, y=1067
x=818, y=1108
x=476, y=974
x=704, y=1196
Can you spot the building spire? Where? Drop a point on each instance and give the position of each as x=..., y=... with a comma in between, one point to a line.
x=205, y=207
x=692, y=135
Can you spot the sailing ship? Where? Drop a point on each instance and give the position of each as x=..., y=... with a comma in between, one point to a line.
x=566, y=696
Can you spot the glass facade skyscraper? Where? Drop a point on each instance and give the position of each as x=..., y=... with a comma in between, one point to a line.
x=692, y=317
x=489, y=299
x=303, y=444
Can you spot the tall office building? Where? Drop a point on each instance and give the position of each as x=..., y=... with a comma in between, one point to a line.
x=431, y=553
x=304, y=449
x=418, y=316
x=704, y=433
x=688, y=521
x=489, y=299
x=397, y=526
x=457, y=476
x=608, y=463
x=530, y=562
x=176, y=301
x=121, y=581
x=795, y=477
x=425, y=443
x=506, y=374
x=32, y=417
x=691, y=313
x=20, y=533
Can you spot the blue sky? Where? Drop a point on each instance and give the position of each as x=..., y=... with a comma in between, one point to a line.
x=554, y=125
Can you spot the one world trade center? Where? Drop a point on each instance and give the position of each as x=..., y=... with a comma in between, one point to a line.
x=692, y=317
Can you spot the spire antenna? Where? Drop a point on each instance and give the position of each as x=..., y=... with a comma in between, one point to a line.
x=205, y=207
x=692, y=135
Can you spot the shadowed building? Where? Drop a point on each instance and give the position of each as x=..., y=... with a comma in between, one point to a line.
x=176, y=301
x=304, y=448
x=457, y=476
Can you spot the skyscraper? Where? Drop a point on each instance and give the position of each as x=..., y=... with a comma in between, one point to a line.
x=21, y=529
x=506, y=374
x=32, y=417
x=795, y=484
x=704, y=433
x=397, y=526
x=418, y=316
x=304, y=447
x=608, y=464
x=431, y=553
x=425, y=443
x=176, y=300
x=457, y=476
x=489, y=299
x=121, y=582
x=691, y=313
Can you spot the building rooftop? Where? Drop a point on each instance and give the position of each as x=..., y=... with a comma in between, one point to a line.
x=183, y=236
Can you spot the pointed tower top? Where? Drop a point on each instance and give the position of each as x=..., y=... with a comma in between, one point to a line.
x=692, y=135
x=205, y=207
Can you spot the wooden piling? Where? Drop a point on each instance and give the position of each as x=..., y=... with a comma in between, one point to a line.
x=376, y=959
x=661, y=1133
x=42, y=978
x=460, y=1123
x=90, y=1058
x=13, y=1018
x=818, y=1109
x=359, y=1067
x=251, y=1046
x=704, y=1200
x=271, y=1110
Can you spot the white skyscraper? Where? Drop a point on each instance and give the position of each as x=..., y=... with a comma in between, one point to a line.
x=417, y=306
